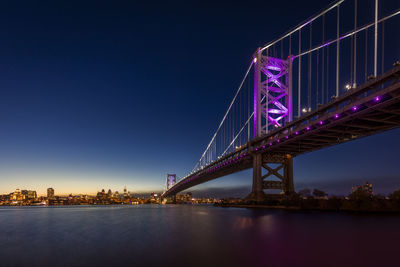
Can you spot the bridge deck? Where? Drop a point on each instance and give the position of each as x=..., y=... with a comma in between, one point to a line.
x=371, y=108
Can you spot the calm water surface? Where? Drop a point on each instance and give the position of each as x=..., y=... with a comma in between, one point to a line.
x=184, y=235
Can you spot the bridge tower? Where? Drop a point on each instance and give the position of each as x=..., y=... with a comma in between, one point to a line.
x=171, y=181
x=273, y=108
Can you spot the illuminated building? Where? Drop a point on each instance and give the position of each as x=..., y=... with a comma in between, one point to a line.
x=50, y=193
x=125, y=192
x=31, y=194
x=367, y=188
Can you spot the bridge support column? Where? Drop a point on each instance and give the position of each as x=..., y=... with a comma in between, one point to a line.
x=288, y=175
x=285, y=182
x=257, y=192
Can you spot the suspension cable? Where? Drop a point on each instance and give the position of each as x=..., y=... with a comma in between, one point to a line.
x=226, y=114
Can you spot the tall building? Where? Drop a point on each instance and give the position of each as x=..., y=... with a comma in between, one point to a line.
x=125, y=192
x=366, y=188
x=31, y=194
x=50, y=192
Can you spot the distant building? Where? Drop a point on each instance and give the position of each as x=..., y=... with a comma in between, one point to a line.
x=31, y=194
x=50, y=193
x=367, y=188
x=125, y=192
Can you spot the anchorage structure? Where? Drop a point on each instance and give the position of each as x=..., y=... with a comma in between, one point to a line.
x=272, y=109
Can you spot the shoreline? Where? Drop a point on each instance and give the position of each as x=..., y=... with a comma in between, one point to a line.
x=294, y=208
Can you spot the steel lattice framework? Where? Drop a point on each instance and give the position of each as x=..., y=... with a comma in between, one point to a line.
x=272, y=93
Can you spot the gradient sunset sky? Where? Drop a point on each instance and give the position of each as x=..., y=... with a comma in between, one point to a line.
x=103, y=94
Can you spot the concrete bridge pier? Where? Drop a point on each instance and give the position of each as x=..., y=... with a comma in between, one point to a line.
x=283, y=171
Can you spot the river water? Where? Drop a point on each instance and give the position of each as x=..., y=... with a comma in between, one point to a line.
x=185, y=235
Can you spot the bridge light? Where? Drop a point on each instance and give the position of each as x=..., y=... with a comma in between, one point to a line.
x=278, y=140
x=304, y=110
x=336, y=116
x=308, y=128
x=296, y=133
x=348, y=86
x=287, y=137
x=321, y=122
x=378, y=98
x=355, y=108
x=255, y=60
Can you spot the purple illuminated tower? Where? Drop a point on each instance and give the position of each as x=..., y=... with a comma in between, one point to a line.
x=171, y=181
x=272, y=109
x=272, y=93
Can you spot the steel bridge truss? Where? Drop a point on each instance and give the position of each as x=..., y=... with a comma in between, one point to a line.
x=285, y=182
x=272, y=93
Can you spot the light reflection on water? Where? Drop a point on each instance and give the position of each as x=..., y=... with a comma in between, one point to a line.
x=184, y=235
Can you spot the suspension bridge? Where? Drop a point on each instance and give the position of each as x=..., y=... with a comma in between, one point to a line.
x=332, y=79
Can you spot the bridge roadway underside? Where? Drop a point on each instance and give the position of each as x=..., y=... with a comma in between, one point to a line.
x=371, y=108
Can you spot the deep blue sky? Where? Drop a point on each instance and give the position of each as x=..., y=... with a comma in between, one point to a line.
x=102, y=94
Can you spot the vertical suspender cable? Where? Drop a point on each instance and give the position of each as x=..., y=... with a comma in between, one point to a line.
x=248, y=108
x=337, y=50
x=323, y=62
x=351, y=59
x=366, y=56
x=383, y=48
x=317, y=87
x=355, y=46
x=327, y=74
x=376, y=39
x=309, y=71
x=299, y=85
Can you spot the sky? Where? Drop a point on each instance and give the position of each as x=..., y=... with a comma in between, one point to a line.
x=103, y=94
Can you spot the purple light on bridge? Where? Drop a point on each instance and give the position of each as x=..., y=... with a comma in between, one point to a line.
x=321, y=122
x=377, y=99
x=336, y=116
x=355, y=108
x=264, y=147
x=296, y=133
x=270, y=144
x=278, y=140
x=287, y=137
x=308, y=128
